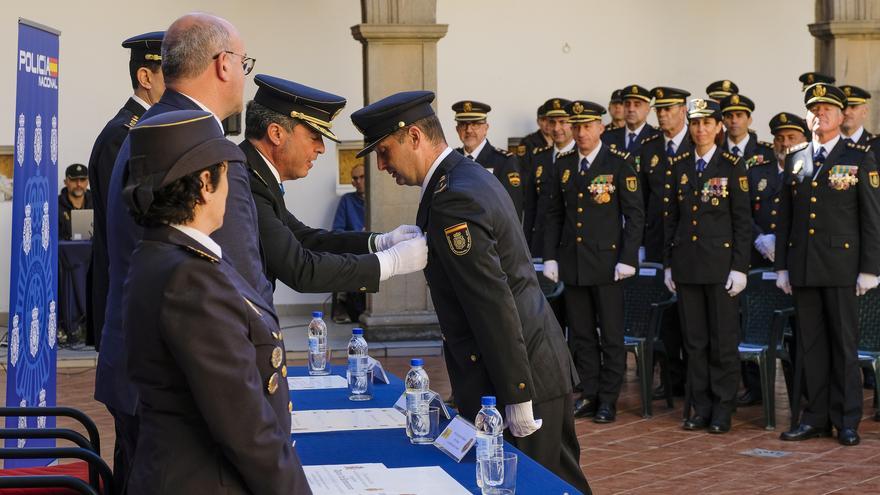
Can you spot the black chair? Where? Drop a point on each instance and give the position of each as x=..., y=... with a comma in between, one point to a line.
x=869, y=338
x=88, y=450
x=764, y=311
x=645, y=298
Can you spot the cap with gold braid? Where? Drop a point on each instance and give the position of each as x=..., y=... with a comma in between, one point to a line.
x=666, y=97
x=737, y=102
x=699, y=108
x=809, y=78
x=824, y=93
x=311, y=106
x=634, y=91
x=145, y=47
x=470, y=111
x=616, y=96
x=786, y=120
x=555, y=107
x=855, y=95
x=380, y=119
x=582, y=111
x=719, y=90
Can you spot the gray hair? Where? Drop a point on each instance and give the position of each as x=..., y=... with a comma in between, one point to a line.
x=258, y=118
x=190, y=45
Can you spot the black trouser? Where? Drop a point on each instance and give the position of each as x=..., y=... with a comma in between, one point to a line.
x=589, y=308
x=828, y=337
x=555, y=445
x=710, y=326
x=126, y=427
x=676, y=359
x=355, y=304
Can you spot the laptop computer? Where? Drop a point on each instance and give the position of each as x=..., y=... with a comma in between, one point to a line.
x=81, y=224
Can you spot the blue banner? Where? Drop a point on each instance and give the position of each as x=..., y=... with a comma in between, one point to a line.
x=33, y=281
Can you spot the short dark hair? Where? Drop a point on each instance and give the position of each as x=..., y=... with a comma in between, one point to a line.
x=429, y=125
x=134, y=66
x=175, y=203
x=258, y=118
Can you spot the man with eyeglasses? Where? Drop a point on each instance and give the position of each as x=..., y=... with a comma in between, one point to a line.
x=472, y=127
x=636, y=106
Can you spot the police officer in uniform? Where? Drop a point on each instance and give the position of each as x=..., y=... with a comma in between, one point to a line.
x=145, y=71
x=471, y=126
x=636, y=107
x=765, y=187
x=214, y=405
x=500, y=337
x=807, y=79
x=828, y=254
x=855, y=115
x=616, y=111
x=594, y=225
x=708, y=237
x=285, y=127
x=653, y=166
x=74, y=196
x=720, y=90
x=538, y=139
x=736, y=111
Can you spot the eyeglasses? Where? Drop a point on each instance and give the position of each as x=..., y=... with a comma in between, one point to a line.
x=475, y=125
x=247, y=63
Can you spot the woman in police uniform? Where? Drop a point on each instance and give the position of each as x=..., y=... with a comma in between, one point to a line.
x=707, y=245
x=205, y=353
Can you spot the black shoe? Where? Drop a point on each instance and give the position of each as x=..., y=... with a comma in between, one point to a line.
x=748, y=399
x=606, y=413
x=719, y=426
x=848, y=437
x=585, y=408
x=695, y=423
x=804, y=432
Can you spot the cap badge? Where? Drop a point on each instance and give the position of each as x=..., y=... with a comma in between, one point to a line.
x=659, y=93
x=577, y=108
x=810, y=79
x=634, y=90
x=783, y=118
x=734, y=99
x=468, y=106
x=819, y=91
x=847, y=91
x=725, y=85
x=700, y=104
x=557, y=105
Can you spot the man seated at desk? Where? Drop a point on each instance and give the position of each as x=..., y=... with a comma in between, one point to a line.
x=74, y=196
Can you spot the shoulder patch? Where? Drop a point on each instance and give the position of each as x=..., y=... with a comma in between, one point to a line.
x=797, y=147
x=442, y=184
x=733, y=159
x=566, y=153
x=201, y=254
x=617, y=152
x=459, y=238
x=503, y=151
x=651, y=138
x=514, y=179
x=860, y=147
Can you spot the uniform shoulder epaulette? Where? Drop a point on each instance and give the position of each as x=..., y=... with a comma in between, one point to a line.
x=680, y=157
x=566, y=153
x=538, y=150
x=258, y=176
x=202, y=254
x=796, y=147
x=651, y=137
x=131, y=123
x=442, y=184
x=765, y=143
x=733, y=159
x=861, y=147
x=503, y=151
x=617, y=152
x=459, y=150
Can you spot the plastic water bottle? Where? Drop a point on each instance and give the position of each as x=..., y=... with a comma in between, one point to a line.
x=490, y=445
x=357, y=366
x=418, y=421
x=318, y=348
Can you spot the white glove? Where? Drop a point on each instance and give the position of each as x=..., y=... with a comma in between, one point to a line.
x=551, y=270
x=866, y=282
x=667, y=279
x=736, y=282
x=622, y=271
x=400, y=234
x=766, y=245
x=402, y=258
x=521, y=420
x=782, y=281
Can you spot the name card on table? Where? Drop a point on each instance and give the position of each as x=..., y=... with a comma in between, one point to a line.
x=379, y=374
x=457, y=438
x=435, y=401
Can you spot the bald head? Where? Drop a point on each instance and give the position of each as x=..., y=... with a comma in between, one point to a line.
x=190, y=44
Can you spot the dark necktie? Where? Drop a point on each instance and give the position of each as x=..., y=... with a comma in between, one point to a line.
x=701, y=165
x=736, y=150
x=585, y=165
x=281, y=186
x=819, y=158
x=670, y=149
x=470, y=157
x=631, y=137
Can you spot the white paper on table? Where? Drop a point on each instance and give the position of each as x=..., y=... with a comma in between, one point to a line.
x=318, y=420
x=316, y=382
x=338, y=479
x=426, y=480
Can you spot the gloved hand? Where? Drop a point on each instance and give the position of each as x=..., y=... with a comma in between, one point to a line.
x=622, y=271
x=400, y=234
x=667, y=279
x=402, y=258
x=736, y=282
x=783, y=283
x=766, y=245
x=866, y=282
x=551, y=270
x=521, y=419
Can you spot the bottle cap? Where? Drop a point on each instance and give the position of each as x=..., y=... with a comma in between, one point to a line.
x=357, y=331
x=415, y=362
x=317, y=314
x=488, y=400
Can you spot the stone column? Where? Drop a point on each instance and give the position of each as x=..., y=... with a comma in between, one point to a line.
x=848, y=47
x=399, y=39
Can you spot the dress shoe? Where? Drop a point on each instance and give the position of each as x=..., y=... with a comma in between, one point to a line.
x=606, y=413
x=748, y=398
x=585, y=408
x=804, y=432
x=848, y=437
x=719, y=426
x=695, y=423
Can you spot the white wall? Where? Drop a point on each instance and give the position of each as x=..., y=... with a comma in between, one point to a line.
x=505, y=53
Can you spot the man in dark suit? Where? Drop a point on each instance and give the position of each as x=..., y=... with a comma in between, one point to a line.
x=855, y=115
x=538, y=139
x=595, y=220
x=500, y=337
x=285, y=126
x=739, y=140
x=472, y=127
x=145, y=70
x=636, y=107
x=828, y=254
x=653, y=166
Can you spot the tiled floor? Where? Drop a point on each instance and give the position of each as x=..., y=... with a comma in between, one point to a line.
x=651, y=456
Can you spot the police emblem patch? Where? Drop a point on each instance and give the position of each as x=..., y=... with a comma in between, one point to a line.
x=684, y=179
x=565, y=175
x=514, y=179
x=539, y=171
x=874, y=178
x=632, y=184
x=744, y=184
x=521, y=150
x=459, y=238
